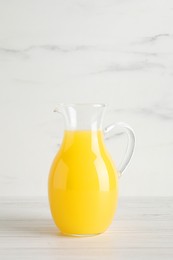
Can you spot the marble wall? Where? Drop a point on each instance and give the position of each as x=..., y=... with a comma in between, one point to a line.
x=117, y=52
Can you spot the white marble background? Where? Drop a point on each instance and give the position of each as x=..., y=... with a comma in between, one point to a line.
x=119, y=52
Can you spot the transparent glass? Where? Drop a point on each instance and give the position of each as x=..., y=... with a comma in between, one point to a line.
x=83, y=179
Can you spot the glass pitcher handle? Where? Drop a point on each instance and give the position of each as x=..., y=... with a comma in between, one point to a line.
x=118, y=129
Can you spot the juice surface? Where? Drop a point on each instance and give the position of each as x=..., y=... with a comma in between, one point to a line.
x=83, y=184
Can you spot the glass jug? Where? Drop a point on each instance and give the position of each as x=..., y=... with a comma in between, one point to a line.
x=83, y=180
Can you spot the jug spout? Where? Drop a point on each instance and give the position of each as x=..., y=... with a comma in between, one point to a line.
x=82, y=116
x=58, y=109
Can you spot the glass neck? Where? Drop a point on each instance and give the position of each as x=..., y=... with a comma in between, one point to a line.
x=82, y=116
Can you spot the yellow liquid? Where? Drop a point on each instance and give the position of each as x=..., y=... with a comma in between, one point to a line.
x=83, y=186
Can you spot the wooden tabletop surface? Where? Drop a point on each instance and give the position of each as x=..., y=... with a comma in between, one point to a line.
x=142, y=229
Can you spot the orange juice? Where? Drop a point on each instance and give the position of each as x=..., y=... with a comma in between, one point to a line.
x=83, y=184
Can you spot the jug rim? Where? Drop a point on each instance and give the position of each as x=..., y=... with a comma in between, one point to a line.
x=83, y=104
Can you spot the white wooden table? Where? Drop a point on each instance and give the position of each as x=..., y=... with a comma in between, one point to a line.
x=142, y=229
